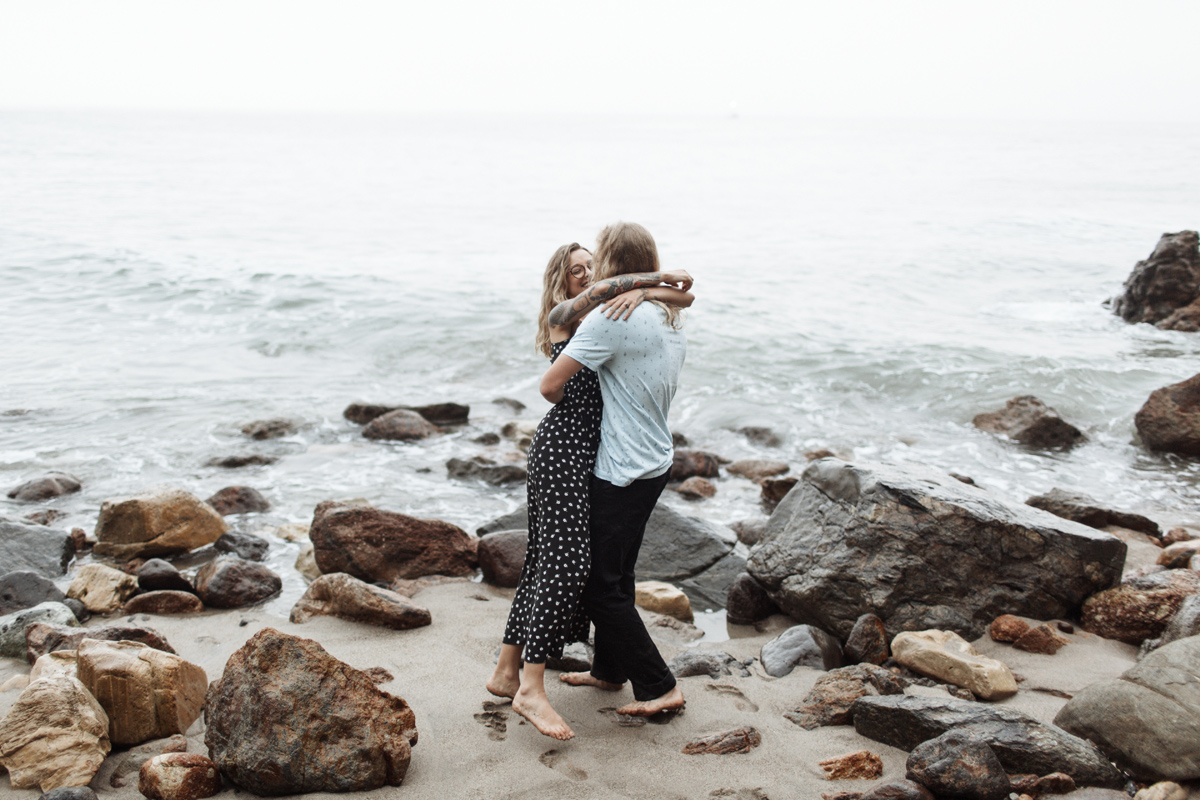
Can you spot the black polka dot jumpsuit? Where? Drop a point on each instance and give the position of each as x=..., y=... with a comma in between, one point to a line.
x=546, y=612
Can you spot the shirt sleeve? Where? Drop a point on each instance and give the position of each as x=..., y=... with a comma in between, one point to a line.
x=593, y=344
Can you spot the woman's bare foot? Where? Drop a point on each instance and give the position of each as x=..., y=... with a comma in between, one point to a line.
x=503, y=684
x=647, y=708
x=586, y=679
x=537, y=709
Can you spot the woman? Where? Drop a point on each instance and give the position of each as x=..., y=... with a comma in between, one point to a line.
x=545, y=613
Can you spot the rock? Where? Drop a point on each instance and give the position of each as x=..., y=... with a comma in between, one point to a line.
x=1084, y=510
x=15, y=682
x=749, y=531
x=379, y=675
x=958, y=764
x=286, y=718
x=179, y=776
x=863, y=765
x=1031, y=422
x=898, y=790
x=33, y=548
x=129, y=765
x=1140, y=608
x=1022, y=744
x=676, y=547
x=513, y=521
x=516, y=406
x=1177, y=555
x=269, y=429
x=1147, y=720
x=576, y=657
x=238, y=461
x=45, y=516
x=757, y=468
x=747, y=601
x=487, y=439
x=70, y=793
x=55, y=735
x=62, y=662
x=306, y=562
x=738, y=740
x=1090, y=793
x=235, y=583
x=519, y=429
x=868, y=641
x=56, y=484
x=1169, y=421
x=377, y=545
x=801, y=646
x=696, y=488
x=709, y=590
x=401, y=424
x=688, y=463
x=102, y=589
x=1164, y=790
x=491, y=474
x=758, y=435
x=238, y=500
x=830, y=700
x=502, y=556
x=147, y=694
x=444, y=413
x=1007, y=628
x=292, y=532
x=1054, y=783
x=1177, y=535
x=948, y=657
x=775, y=489
x=156, y=523
x=80, y=540
x=23, y=589
x=157, y=575
x=243, y=545
x=691, y=663
x=1185, y=623
x=663, y=598
x=922, y=550
x=1042, y=640
x=164, y=602
x=363, y=413
x=1164, y=283
x=13, y=626
x=344, y=596
x=42, y=638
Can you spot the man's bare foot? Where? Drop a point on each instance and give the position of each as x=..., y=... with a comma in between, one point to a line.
x=537, y=709
x=670, y=701
x=586, y=679
x=502, y=684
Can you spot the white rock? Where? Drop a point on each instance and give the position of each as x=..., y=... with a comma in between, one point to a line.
x=949, y=657
x=663, y=598
x=55, y=735
x=102, y=589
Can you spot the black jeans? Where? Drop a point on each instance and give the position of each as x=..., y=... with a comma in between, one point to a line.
x=624, y=650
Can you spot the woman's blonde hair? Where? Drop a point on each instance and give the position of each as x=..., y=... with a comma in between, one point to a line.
x=554, y=291
x=624, y=248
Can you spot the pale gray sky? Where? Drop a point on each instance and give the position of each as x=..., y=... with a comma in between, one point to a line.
x=924, y=58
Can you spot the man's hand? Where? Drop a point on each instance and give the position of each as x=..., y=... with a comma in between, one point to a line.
x=678, y=278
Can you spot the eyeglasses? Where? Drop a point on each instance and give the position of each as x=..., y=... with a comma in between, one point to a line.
x=579, y=270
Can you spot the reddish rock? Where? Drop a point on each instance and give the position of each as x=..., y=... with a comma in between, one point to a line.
x=1177, y=535
x=1054, y=783
x=689, y=463
x=344, y=596
x=775, y=489
x=863, y=765
x=179, y=776
x=269, y=428
x=238, y=500
x=830, y=699
x=164, y=602
x=1169, y=421
x=1031, y=422
x=1163, y=285
x=400, y=424
x=747, y=601
x=696, y=488
x=1139, y=609
x=502, y=556
x=868, y=641
x=1007, y=628
x=235, y=583
x=738, y=740
x=1042, y=640
x=41, y=638
x=1178, y=555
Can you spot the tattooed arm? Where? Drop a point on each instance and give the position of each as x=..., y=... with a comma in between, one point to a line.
x=571, y=311
x=622, y=306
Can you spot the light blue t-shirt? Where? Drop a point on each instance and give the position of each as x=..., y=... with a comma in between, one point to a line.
x=638, y=361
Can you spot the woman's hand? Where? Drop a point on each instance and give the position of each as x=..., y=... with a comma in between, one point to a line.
x=678, y=278
x=625, y=302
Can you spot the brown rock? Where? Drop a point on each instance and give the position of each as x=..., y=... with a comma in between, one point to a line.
x=868, y=641
x=898, y=790
x=80, y=541
x=129, y=765
x=378, y=675
x=238, y=500
x=1031, y=422
x=1164, y=283
x=749, y=531
x=42, y=638
x=775, y=489
x=863, y=765
x=757, y=468
x=747, y=601
x=362, y=413
x=813, y=455
x=164, y=603
x=53, y=485
x=1007, y=628
x=235, y=583
x=502, y=557
x=959, y=763
x=55, y=734
x=738, y=740
x=443, y=413
x=1054, y=783
x=484, y=470
x=696, y=488
x=660, y=597
x=1169, y=421
x=61, y=662
x=147, y=694
x=47, y=516
x=346, y=597
x=102, y=589
x=269, y=428
x=1086, y=511
x=401, y=424
x=156, y=523
x=286, y=718
x=759, y=435
x=238, y=461
x=1139, y=609
x=1042, y=640
x=1177, y=556
x=157, y=575
x=841, y=796
x=377, y=545
x=179, y=776
x=1177, y=535
x=689, y=463
x=829, y=701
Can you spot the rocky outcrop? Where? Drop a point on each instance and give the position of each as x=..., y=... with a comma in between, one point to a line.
x=1164, y=284
x=286, y=718
x=502, y=556
x=1169, y=421
x=958, y=764
x=1086, y=511
x=164, y=602
x=102, y=589
x=482, y=470
x=179, y=776
x=948, y=657
x=801, y=646
x=24, y=589
x=56, y=734
x=1140, y=608
x=868, y=641
x=399, y=425
x=1031, y=422
x=47, y=487
x=747, y=601
x=147, y=694
x=243, y=545
x=35, y=549
x=14, y=626
x=42, y=638
x=833, y=695
x=157, y=575
x=235, y=583
x=346, y=597
x=269, y=428
x=238, y=500
x=156, y=523
x=377, y=545
x=738, y=740
x=1148, y=720
x=922, y=550
x=688, y=463
x=663, y=598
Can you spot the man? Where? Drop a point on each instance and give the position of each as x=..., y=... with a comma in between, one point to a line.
x=638, y=361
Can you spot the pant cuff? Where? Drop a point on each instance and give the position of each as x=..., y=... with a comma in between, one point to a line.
x=645, y=692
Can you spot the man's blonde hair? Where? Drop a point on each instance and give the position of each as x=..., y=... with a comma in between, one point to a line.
x=624, y=248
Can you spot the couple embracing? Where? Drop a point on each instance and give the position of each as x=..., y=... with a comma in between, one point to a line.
x=597, y=465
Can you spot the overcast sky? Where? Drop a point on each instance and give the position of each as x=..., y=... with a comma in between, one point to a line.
x=915, y=58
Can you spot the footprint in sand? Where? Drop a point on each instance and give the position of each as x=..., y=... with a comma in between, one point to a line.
x=559, y=763
x=740, y=700
x=630, y=721
x=740, y=794
x=494, y=717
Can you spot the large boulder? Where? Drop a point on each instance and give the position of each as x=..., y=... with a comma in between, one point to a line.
x=1147, y=720
x=344, y=596
x=1086, y=511
x=517, y=520
x=35, y=548
x=377, y=545
x=102, y=589
x=56, y=734
x=676, y=547
x=288, y=718
x=1028, y=420
x=1024, y=745
x=14, y=626
x=923, y=550
x=1166, y=282
x=747, y=601
x=42, y=638
x=23, y=589
x=156, y=523
x=950, y=658
x=502, y=557
x=147, y=694
x=1169, y=420
x=235, y=583
x=709, y=590
x=46, y=487
x=1140, y=608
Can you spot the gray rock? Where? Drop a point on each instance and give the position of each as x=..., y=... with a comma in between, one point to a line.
x=1147, y=720
x=749, y=531
x=34, y=548
x=1164, y=283
x=691, y=663
x=709, y=590
x=243, y=545
x=512, y=521
x=833, y=695
x=502, y=557
x=576, y=657
x=491, y=474
x=801, y=646
x=747, y=601
x=55, y=484
x=677, y=547
x=923, y=551
x=958, y=764
x=12, y=626
x=24, y=589
x=157, y=575
x=231, y=582
x=1023, y=745
x=868, y=641
x=70, y=793
x=1086, y=511
x=1185, y=623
